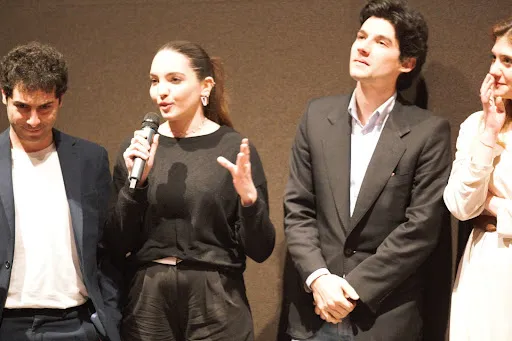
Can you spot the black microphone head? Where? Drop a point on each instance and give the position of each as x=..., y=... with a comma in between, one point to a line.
x=151, y=120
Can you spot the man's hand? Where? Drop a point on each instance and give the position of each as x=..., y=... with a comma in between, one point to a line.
x=334, y=297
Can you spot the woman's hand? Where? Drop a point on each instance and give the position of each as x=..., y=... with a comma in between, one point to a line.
x=494, y=111
x=140, y=147
x=493, y=204
x=241, y=173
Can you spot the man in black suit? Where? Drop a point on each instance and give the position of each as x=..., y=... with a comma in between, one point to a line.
x=56, y=281
x=364, y=201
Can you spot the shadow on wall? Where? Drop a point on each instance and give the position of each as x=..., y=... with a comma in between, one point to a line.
x=454, y=95
x=417, y=93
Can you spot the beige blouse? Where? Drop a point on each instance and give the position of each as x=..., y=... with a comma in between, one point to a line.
x=470, y=181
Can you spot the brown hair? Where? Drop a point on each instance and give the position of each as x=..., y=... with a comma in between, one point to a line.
x=411, y=31
x=34, y=66
x=503, y=28
x=204, y=66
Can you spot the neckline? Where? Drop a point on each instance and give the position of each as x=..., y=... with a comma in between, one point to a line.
x=192, y=139
x=36, y=154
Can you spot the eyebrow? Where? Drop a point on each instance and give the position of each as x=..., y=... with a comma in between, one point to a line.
x=378, y=37
x=503, y=55
x=40, y=105
x=167, y=74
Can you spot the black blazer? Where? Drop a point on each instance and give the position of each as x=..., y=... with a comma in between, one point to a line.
x=386, y=248
x=86, y=174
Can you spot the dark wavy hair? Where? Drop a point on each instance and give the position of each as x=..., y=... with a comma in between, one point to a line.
x=34, y=66
x=411, y=32
x=205, y=66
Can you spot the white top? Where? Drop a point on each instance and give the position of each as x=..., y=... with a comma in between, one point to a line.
x=470, y=181
x=46, y=271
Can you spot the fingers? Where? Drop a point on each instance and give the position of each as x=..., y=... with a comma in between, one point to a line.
x=326, y=316
x=152, y=150
x=487, y=90
x=487, y=84
x=136, y=150
x=348, y=290
x=341, y=308
x=139, y=147
x=244, y=157
x=500, y=105
x=226, y=164
x=329, y=297
x=334, y=308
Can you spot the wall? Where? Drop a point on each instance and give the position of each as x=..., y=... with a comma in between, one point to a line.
x=277, y=55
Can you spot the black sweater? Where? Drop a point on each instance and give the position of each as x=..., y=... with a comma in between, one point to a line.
x=189, y=207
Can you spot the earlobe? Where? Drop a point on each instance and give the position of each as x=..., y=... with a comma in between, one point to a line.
x=4, y=99
x=408, y=65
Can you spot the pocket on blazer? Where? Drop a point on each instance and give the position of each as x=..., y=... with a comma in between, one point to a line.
x=398, y=179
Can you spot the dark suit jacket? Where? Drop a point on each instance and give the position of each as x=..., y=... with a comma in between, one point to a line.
x=86, y=176
x=386, y=248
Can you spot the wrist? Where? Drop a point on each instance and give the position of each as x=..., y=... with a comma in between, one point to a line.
x=315, y=281
x=488, y=138
x=249, y=199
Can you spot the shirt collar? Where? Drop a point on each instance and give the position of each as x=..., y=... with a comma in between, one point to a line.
x=378, y=117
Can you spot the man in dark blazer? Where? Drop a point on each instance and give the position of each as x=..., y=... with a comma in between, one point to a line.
x=363, y=205
x=56, y=279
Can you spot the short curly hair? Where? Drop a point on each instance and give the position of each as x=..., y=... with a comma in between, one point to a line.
x=411, y=32
x=34, y=66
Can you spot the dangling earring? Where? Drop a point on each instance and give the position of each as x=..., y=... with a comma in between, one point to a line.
x=204, y=100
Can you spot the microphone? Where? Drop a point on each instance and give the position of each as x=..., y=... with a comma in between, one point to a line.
x=149, y=126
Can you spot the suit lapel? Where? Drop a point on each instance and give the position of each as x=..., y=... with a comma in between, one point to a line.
x=6, y=191
x=385, y=158
x=336, y=149
x=71, y=175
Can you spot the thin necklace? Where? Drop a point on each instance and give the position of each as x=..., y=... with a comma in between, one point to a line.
x=190, y=132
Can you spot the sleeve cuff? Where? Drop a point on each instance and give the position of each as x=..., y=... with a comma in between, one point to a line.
x=137, y=194
x=251, y=210
x=311, y=278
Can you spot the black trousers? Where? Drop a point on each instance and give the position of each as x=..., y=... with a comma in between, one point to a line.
x=47, y=325
x=186, y=303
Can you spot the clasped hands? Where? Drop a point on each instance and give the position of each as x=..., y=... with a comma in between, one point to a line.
x=333, y=297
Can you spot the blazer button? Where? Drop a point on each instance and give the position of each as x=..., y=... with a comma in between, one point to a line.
x=7, y=265
x=349, y=252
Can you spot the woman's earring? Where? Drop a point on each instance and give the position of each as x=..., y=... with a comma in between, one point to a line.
x=204, y=100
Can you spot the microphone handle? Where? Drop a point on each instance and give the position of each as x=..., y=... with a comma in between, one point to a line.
x=138, y=163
